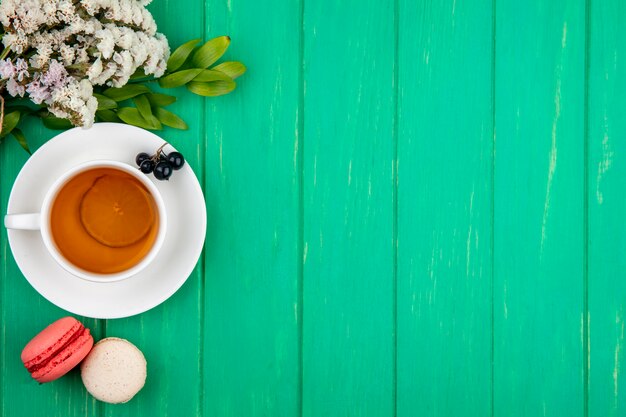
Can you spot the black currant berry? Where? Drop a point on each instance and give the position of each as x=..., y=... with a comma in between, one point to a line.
x=146, y=166
x=176, y=160
x=163, y=171
x=141, y=157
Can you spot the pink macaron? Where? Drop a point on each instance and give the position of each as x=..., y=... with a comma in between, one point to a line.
x=57, y=349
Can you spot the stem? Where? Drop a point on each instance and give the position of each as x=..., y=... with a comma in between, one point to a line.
x=158, y=151
x=141, y=80
x=157, y=154
x=5, y=52
x=1, y=113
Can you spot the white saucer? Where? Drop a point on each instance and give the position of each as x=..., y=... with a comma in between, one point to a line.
x=186, y=215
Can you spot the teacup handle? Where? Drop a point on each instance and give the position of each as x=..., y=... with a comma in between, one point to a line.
x=26, y=221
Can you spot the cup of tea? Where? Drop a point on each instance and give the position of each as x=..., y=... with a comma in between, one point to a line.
x=102, y=221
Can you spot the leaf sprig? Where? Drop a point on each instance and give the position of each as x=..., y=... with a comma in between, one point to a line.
x=189, y=66
x=136, y=103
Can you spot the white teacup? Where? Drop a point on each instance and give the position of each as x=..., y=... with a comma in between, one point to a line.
x=41, y=221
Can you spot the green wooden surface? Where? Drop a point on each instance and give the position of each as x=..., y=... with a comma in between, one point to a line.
x=539, y=219
x=251, y=364
x=414, y=209
x=606, y=185
x=348, y=259
x=445, y=145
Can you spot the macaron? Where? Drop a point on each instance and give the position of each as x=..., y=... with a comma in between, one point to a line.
x=57, y=349
x=114, y=371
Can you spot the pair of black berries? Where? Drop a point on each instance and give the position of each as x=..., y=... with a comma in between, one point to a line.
x=162, y=165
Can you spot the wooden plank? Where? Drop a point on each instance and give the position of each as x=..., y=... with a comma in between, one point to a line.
x=445, y=147
x=348, y=268
x=607, y=229
x=252, y=260
x=24, y=313
x=539, y=206
x=170, y=335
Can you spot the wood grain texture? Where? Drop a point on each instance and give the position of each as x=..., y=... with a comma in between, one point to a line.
x=357, y=161
x=539, y=201
x=607, y=229
x=251, y=363
x=445, y=146
x=24, y=313
x=170, y=335
x=348, y=208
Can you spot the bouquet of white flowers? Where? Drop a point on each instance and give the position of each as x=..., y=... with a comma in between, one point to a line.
x=74, y=59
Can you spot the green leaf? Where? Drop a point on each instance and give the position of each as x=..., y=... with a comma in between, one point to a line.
x=108, y=116
x=154, y=122
x=22, y=109
x=56, y=123
x=170, y=119
x=131, y=116
x=178, y=78
x=10, y=121
x=161, y=100
x=180, y=55
x=212, y=89
x=143, y=105
x=126, y=92
x=210, y=75
x=139, y=73
x=210, y=52
x=21, y=139
x=233, y=69
x=105, y=103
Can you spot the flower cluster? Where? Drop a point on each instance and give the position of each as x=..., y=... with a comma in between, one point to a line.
x=57, y=50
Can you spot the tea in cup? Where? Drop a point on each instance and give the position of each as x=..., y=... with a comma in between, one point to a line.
x=102, y=221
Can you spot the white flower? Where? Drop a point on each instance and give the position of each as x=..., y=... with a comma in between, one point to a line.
x=50, y=10
x=89, y=113
x=106, y=43
x=37, y=61
x=65, y=10
x=127, y=9
x=148, y=24
x=22, y=16
x=76, y=25
x=55, y=76
x=126, y=38
x=90, y=26
x=7, y=69
x=85, y=89
x=37, y=93
x=18, y=42
x=139, y=49
x=125, y=68
x=67, y=54
x=164, y=50
x=90, y=6
x=58, y=111
x=14, y=88
x=106, y=74
x=21, y=69
x=158, y=51
x=33, y=18
x=95, y=70
x=82, y=56
x=63, y=49
x=44, y=50
x=75, y=102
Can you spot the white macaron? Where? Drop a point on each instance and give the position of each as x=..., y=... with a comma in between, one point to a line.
x=114, y=371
